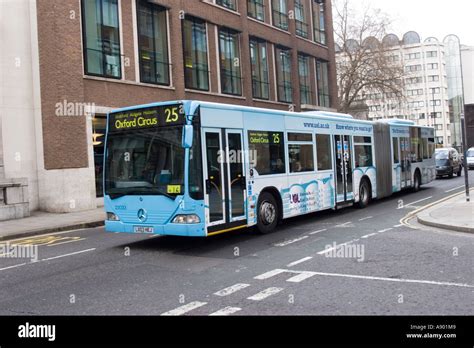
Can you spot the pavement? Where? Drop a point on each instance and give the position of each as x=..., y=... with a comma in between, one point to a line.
x=455, y=214
x=42, y=223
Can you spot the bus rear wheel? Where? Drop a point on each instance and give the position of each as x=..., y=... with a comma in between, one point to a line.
x=364, y=194
x=267, y=213
x=417, y=182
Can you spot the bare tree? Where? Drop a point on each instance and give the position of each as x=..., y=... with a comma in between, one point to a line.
x=364, y=62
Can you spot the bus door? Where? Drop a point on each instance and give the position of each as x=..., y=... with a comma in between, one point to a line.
x=224, y=177
x=405, y=153
x=343, y=155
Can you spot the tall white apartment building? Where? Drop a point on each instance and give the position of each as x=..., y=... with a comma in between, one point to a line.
x=426, y=85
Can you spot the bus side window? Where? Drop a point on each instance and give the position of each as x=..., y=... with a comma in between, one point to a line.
x=324, y=152
x=396, y=157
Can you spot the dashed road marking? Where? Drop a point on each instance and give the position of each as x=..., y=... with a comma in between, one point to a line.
x=186, y=308
x=318, y=231
x=291, y=241
x=325, y=251
x=299, y=261
x=366, y=218
x=345, y=224
x=300, y=277
x=399, y=225
x=368, y=235
x=270, y=274
x=265, y=293
x=385, y=230
x=70, y=254
x=14, y=266
x=231, y=289
x=226, y=311
x=411, y=204
x=454, y=189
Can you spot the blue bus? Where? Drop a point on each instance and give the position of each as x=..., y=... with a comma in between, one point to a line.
x=193, y=168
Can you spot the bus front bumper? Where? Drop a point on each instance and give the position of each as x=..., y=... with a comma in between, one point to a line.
x=185, y=230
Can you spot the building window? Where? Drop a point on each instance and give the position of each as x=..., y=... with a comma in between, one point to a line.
x=283, y=69
x=300, y=18
x=433, y=78
x=280, y=14
x=319, y=23
x=322, y=75
x=305, y=82
x=259, y=64
x=101, y=38
x=432, y=66
x=196, y=70
x=153, y=43
x=229, y=50
x=300, y=152
x=256, y=9
x=230, y=4
x=269, y=148
x=431, y=54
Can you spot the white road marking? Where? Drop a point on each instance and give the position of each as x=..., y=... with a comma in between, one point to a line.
x=366, y=218
x=300, y=277
x=231, y=289
x=14, y=266
x=368, y=235
x=385, y=230
x=226, y=311
x=186, y=308
x=454, y=189
x=68, y=241
x=325, y=251
x=269, y=274
x=299, y=261
x=400, y=225
x=318, y=231
x=291, y=241
x=264, y=294
x=410, y=204
x=344, y=224
x=398, y=280
x=70, y=254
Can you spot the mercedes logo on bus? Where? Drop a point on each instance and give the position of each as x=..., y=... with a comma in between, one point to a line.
x=142, y=215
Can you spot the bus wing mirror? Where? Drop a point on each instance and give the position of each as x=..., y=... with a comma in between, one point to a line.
x=188, y=136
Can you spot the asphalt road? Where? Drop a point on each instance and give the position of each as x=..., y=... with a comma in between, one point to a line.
x=394, y=269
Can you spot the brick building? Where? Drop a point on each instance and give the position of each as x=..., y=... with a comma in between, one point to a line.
x=66, y=63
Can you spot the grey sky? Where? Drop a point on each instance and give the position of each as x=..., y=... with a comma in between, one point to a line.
x=436, y=18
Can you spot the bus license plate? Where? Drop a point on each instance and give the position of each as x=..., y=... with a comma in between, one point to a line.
x=143, y=229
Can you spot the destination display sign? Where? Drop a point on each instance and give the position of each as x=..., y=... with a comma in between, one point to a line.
x=157, y=116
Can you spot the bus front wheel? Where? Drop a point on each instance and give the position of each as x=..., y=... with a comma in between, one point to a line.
x=267, y=213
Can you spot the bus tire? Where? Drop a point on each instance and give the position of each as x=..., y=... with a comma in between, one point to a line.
x=417, y=181
x=364, y=194
x=267, y=213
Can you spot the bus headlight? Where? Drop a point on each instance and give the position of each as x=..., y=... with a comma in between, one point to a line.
x=186, y=219
x=112, y=217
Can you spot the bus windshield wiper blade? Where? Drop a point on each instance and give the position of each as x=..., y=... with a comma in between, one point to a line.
x=145, y=190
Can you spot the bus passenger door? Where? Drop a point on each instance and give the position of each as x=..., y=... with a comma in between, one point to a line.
x=236, y=184
x=406, y=162
x=213, y=176
x=343, y=155
x=224, y=178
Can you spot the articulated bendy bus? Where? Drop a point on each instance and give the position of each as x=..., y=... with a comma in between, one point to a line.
x=192, y=168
